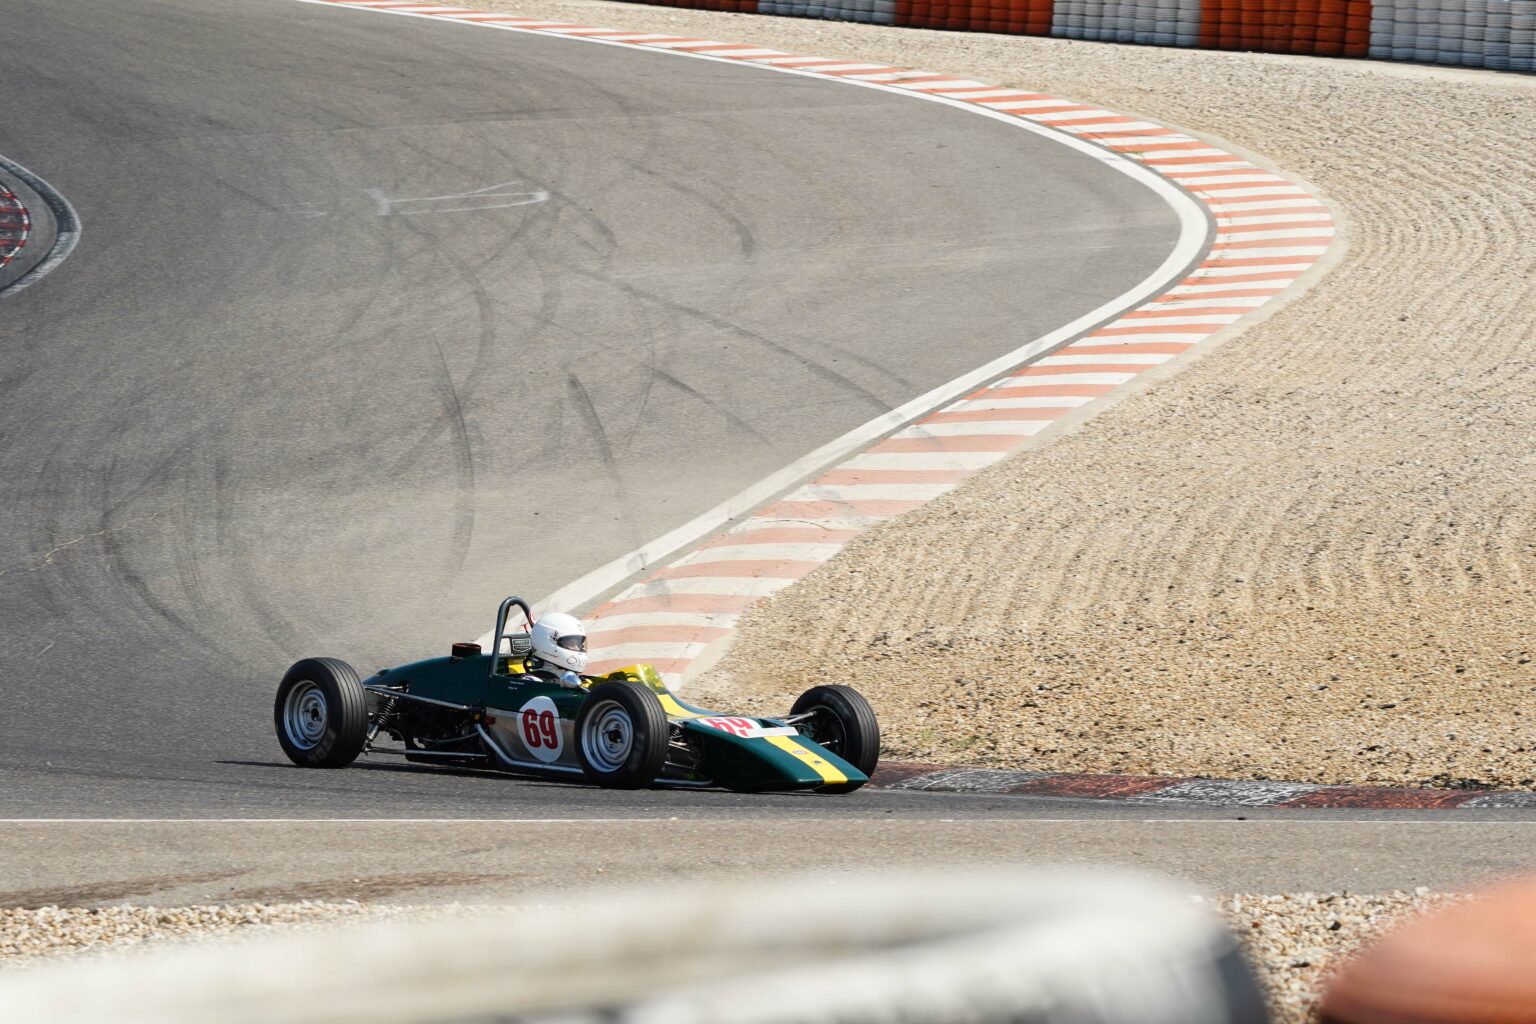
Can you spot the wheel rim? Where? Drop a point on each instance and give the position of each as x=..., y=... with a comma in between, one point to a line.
x=608, y=738
x=826, y=729
x=305, y=715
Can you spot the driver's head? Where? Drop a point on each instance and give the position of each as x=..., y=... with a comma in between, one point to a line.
x=561, y=640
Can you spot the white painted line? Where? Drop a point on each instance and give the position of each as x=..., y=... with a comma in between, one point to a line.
x=968, y=461
x=1156, y=155
x=1067, y=358
x=1276, y=268
x=757, y=523
x=848, y=67
x=1027, y=104
x=1203, y=301
x=1221, y=290
x=1277, y=252
x=1195, y=185
x=1290, y=817
x=1074, y=378
x=763, y=552
x=1022, y=428
x=1093, y=129
x=871, y=492
x=1047, y=402
x=705, y=620
x=1176, y=169
x=1225, y=209
x=654, y=650
x=788, y=61
x=731, y=586
x=990, y=94
x=691, y=44
x=1279, y=218
x=740, y=54
x=1150, y=337
x=947, y=83
x=1117, y=141
x=330, y=821
x=1071, y=115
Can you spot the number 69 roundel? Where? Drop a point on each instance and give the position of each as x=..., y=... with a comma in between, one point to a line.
x=538, y=726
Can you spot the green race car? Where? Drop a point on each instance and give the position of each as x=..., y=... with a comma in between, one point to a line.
x=624, y=730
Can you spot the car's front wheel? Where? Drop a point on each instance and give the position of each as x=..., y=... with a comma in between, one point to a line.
x=621, y=735
x=841, y=720
x=321, y=713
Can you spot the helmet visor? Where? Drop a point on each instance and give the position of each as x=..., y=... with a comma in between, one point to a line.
x=573, y=642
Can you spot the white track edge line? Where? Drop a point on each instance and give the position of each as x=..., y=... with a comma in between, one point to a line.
x=1194, y=228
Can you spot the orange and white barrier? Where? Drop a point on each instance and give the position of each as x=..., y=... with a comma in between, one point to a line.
x=1495, y=34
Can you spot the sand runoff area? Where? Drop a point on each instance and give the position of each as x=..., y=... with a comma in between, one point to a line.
x=1309, y=555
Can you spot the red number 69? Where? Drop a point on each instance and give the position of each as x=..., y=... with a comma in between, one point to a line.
x=539, y=729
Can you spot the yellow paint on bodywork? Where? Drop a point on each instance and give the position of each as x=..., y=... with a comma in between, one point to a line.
x=826, y=769
x=649, y=678
x=673, y=709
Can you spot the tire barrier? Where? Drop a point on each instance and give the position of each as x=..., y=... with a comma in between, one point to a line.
x=38, y=228
x=943, y=947
x=1496, y=34
x=15, y=225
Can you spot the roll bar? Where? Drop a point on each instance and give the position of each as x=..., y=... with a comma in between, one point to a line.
x=517, y=643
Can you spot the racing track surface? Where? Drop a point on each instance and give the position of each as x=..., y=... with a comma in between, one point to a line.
x=376, y=320
x=283, y=401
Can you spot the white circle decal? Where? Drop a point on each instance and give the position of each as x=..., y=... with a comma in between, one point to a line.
x=538, y=726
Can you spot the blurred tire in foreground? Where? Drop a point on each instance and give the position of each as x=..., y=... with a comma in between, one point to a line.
x=1096, y=947
x=1469, y=963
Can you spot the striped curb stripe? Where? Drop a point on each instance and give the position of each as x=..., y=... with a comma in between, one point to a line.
x=1269, y=231
x=15, y=226
x=1147, y=789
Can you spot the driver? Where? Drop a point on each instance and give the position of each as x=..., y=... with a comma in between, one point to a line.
x=559, y=649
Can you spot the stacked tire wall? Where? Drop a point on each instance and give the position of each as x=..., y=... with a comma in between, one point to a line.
x=1495, y=34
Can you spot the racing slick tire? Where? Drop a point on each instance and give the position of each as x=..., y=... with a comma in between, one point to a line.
x=321, y=713
x=843, y=722
x=621, y=735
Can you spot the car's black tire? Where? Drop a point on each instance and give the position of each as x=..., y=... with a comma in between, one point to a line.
x=321, y=713
x=844, y=723
x=621, y=735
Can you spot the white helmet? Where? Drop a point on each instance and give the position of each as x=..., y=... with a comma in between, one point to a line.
x=561, y=640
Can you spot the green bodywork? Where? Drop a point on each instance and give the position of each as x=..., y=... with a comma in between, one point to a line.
x=509, y=709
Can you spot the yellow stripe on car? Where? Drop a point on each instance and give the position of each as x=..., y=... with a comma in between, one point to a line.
x=826, y=769
x=670, y=705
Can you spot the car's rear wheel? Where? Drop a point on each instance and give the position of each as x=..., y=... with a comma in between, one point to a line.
x=621, y=735
x=841, y=720
x=321, y=713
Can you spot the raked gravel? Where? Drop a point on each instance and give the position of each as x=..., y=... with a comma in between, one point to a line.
x=1293, y=939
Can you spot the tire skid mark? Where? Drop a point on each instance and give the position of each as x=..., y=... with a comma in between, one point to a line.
x=980, y=429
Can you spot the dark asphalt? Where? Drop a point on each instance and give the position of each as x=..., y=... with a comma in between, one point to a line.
x=285, y=399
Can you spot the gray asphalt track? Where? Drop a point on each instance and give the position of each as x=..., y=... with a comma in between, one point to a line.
x=287, y=399
x=283, y=401
x=478, y=861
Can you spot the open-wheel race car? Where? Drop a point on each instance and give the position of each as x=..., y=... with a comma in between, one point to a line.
x=623, y=730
